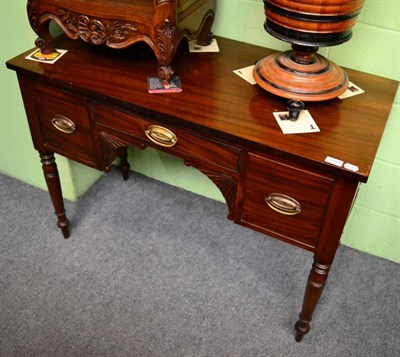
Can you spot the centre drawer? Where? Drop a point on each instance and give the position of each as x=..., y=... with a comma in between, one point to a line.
x=284, y=201
x=178, y=142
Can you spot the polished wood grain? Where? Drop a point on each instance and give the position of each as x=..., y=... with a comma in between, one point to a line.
x=277, y=184
x=215, y=100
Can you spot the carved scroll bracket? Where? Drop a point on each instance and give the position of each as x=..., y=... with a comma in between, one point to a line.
x=111, y=147
x=225, y=183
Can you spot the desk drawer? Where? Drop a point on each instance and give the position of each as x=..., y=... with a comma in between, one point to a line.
x=175, y=141
x=65, y=124
x=286, y=202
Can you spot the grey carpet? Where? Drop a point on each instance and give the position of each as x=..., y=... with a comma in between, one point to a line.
x=152, y=270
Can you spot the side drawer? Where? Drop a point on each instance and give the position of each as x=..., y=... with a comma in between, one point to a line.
x=65, y=124
x=284, y=201
x=183, y=143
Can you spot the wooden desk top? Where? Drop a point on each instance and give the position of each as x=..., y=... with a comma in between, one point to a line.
x=216, y=100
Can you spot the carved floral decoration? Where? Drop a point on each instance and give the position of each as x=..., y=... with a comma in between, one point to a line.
x=165, y=40
x=96, y=31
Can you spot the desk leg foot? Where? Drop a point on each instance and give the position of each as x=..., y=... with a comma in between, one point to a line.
x=124, y=164
x=315, y=285
x=53, y=184
x=302, y=328
x=63, y=224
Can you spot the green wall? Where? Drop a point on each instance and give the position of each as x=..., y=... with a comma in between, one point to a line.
x=374, y=224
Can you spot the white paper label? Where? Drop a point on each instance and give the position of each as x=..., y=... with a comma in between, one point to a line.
x=334, y=161
x=304, y=124
x=246, y=73
x=351, y=91
x=351, y=167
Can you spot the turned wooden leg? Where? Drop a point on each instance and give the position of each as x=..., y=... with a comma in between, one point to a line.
x=124, y=164
x=315, y=285
x=342, y=198
x=45, y=41
x=53, y=184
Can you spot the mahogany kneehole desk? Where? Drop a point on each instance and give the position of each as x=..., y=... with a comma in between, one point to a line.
x=93, y=103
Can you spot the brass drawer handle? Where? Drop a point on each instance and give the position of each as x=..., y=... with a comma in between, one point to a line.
x=283, y=204
x=161, y=136
x=63, y=124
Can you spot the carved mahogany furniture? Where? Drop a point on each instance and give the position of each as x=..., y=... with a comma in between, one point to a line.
x=119, y=23
x=302, y=74
x=92, y=104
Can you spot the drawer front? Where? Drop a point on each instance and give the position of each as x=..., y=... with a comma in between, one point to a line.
x=286, y=202
x=65, y=124
x=175, y=141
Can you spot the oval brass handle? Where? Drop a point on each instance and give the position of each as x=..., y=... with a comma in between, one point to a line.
x=283, y=204
x=63, y=124
x=161, y=136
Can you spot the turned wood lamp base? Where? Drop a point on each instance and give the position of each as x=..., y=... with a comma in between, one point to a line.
x=301, y=74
